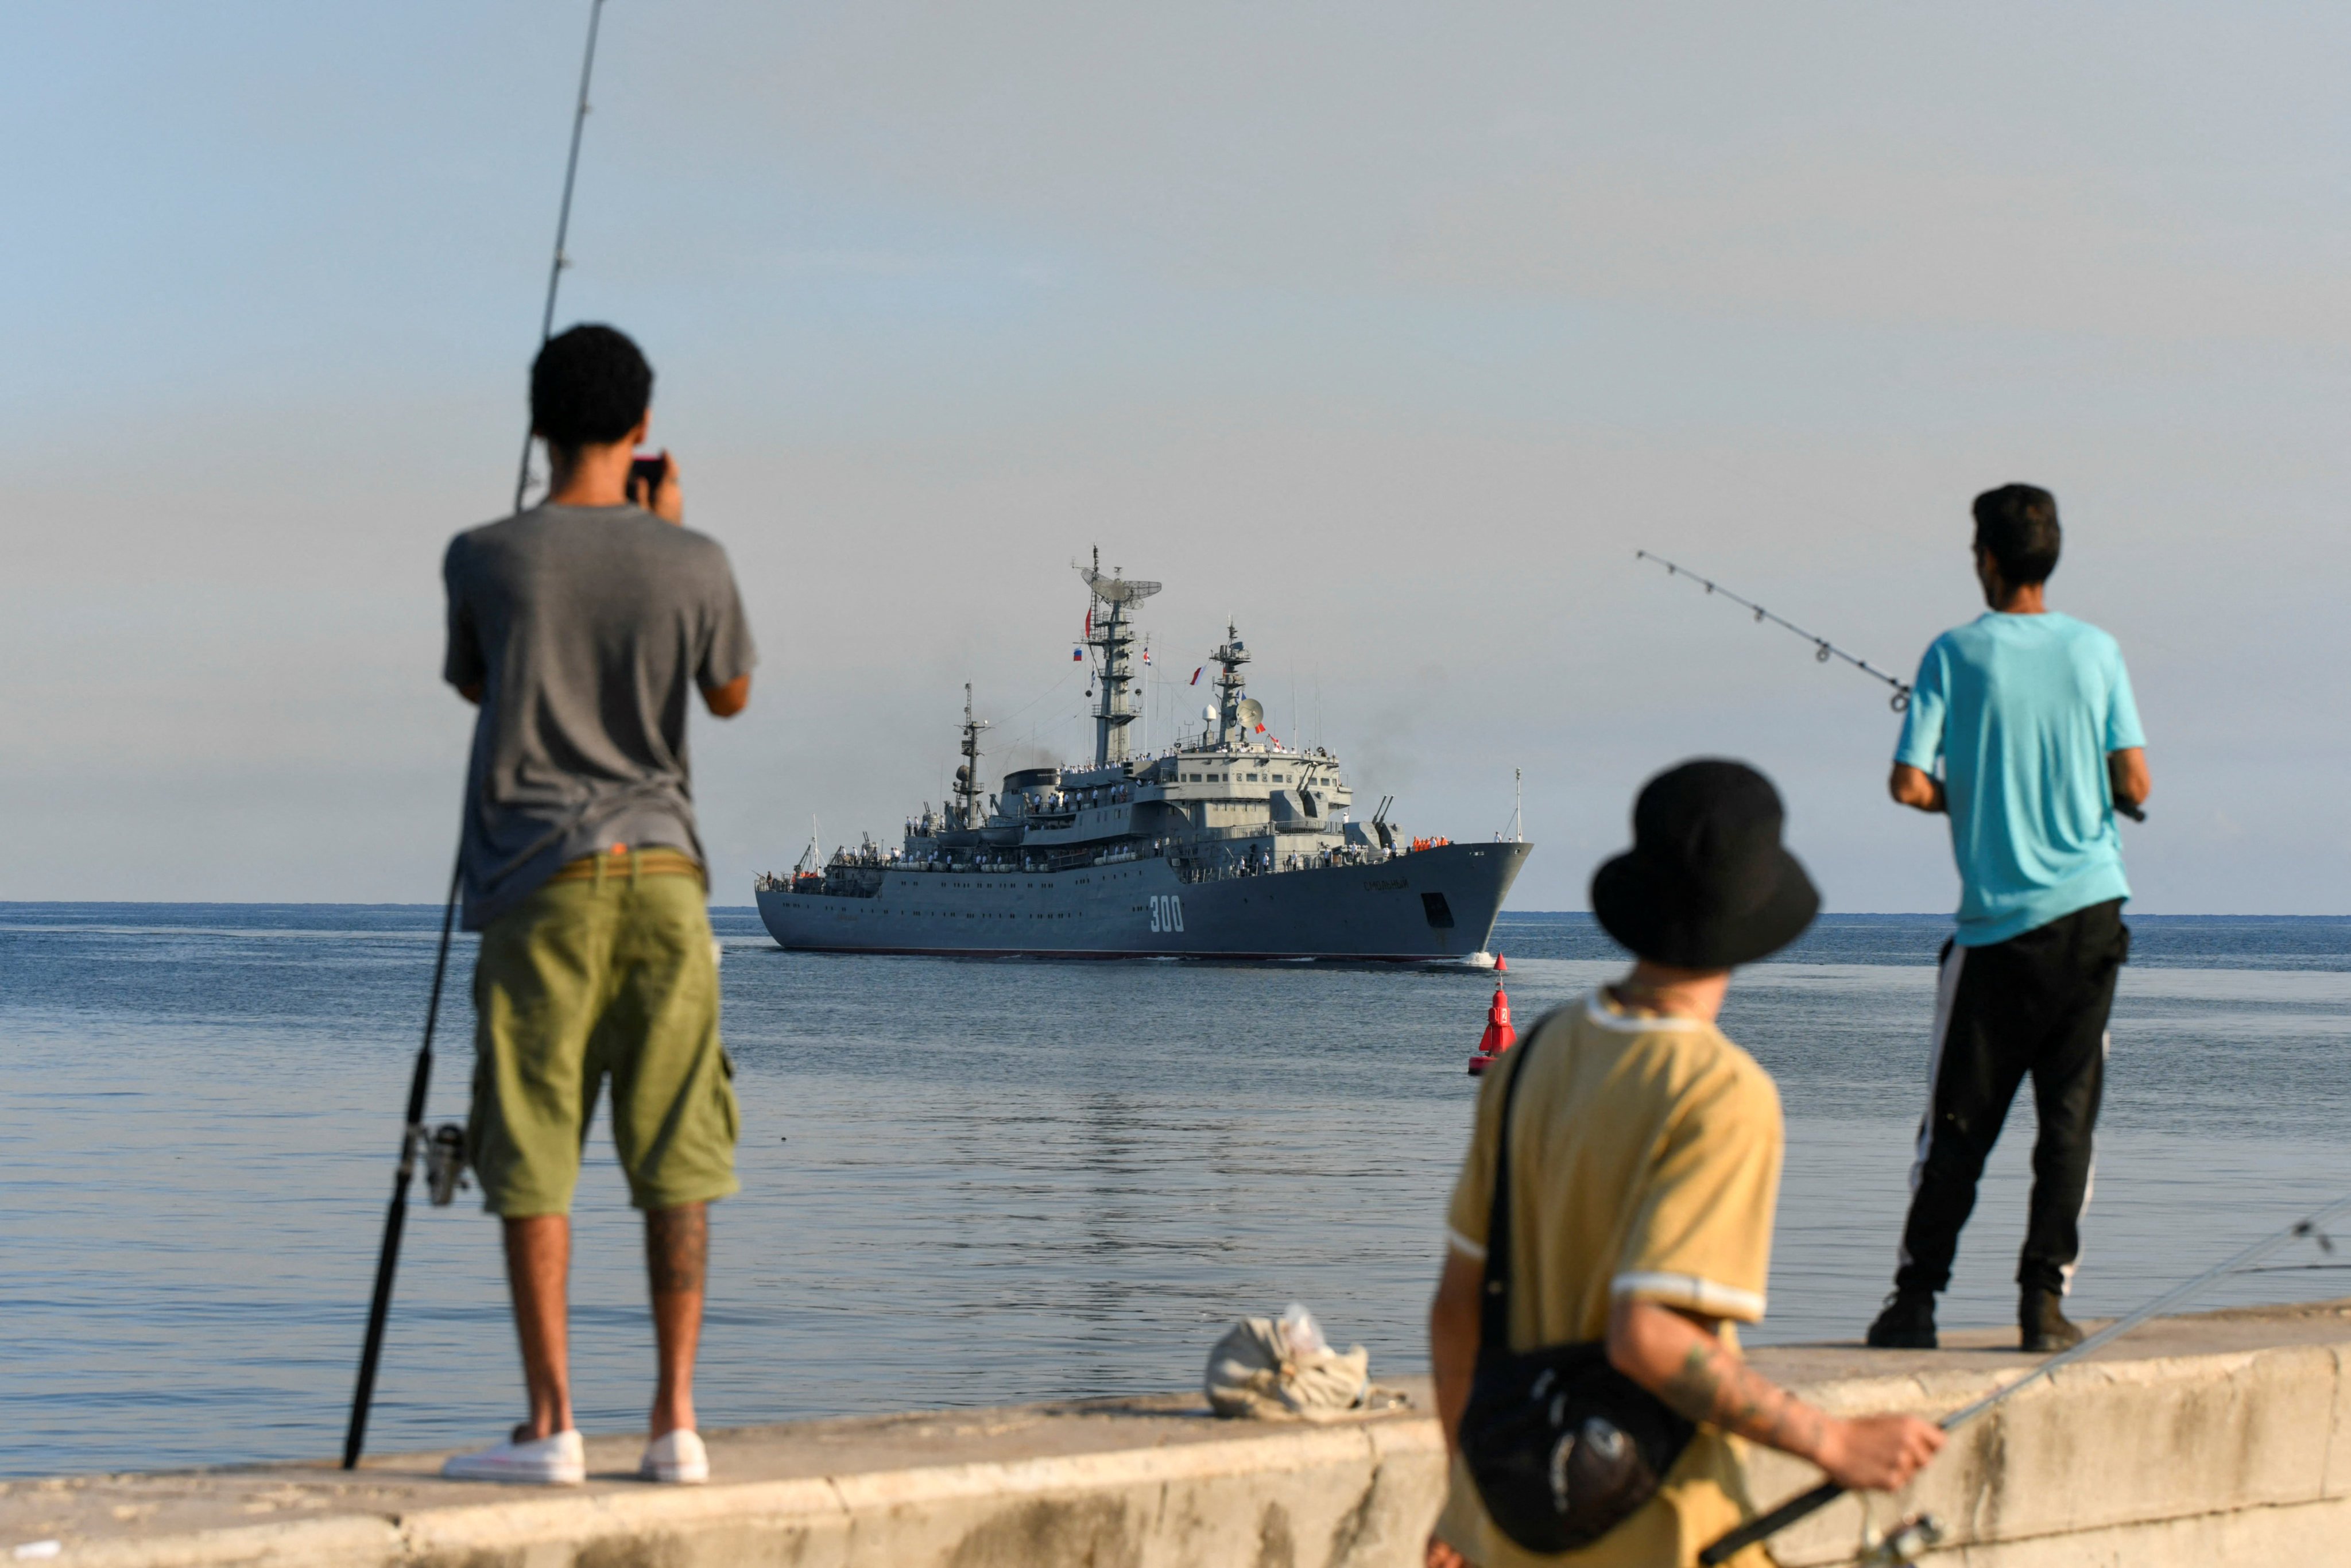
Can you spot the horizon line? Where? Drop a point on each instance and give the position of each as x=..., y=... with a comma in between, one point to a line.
x=752, y=909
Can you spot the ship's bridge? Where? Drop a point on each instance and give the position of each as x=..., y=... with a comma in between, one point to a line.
x=1230, y=798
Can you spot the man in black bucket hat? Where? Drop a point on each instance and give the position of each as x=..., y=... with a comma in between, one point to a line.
x=1644, y=1168
x=1707, y=884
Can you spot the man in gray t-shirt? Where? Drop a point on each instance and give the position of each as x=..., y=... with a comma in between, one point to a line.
x=576, y=628
x=583, y=628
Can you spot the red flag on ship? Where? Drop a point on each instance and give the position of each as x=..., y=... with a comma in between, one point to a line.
x=1077, y=653
x=1196, y=676
x=1090, y=620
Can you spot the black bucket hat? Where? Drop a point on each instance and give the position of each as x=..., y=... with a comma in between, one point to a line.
x=1707, y=884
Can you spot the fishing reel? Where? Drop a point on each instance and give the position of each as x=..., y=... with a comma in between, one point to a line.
x=1902, y=1545
x=444, y=1164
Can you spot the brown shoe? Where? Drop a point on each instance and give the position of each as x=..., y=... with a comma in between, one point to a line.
x=2044, y=1324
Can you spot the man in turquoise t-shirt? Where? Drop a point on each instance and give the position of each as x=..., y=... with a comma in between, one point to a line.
x=2030, y=714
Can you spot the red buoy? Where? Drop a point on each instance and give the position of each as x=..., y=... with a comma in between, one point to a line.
x=1498, y=1036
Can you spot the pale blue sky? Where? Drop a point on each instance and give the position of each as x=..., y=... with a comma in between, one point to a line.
x=1391, y=331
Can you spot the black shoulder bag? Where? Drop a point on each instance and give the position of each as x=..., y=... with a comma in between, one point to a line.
x=1562, y=1447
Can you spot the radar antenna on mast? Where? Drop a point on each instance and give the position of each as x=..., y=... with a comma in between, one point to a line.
x=1111, y=633
x=1228, y=658
x=965, y=812
x=1114, y=588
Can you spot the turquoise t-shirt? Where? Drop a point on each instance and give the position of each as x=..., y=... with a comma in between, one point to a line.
x=2021, y=711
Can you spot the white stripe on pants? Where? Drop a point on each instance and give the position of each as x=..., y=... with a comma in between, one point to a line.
x=1947, y=991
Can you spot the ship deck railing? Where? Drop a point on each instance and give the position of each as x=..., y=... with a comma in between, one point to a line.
x=1186, y=868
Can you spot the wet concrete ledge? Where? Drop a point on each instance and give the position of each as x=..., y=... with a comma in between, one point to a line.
x=2196, y=1440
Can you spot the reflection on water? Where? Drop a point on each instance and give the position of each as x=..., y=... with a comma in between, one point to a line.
x=1003, y=1181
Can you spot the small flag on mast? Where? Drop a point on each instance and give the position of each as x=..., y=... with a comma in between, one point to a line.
x=1196, y=676
x=1077, y=653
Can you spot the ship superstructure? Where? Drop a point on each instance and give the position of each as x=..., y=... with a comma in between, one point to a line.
x=1225, y=844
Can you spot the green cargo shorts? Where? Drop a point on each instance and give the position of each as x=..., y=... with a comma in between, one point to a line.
x=584, y=980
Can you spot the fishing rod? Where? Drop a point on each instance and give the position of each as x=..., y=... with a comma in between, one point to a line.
x=444, y=1150
x=444, y=1156
x=562, y=223
x=1822, y=649
x=1925, y=1531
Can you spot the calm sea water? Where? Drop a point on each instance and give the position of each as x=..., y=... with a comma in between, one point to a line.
x=973, y=1183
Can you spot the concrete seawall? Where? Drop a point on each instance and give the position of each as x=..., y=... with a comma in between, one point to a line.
x=2195, y=1440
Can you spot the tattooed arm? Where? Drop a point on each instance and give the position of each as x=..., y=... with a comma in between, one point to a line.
x=1679, y=1357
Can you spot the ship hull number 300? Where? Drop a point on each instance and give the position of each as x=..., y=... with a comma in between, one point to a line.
x=1166, y=912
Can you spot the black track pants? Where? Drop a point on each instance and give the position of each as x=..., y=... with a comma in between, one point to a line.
x=2035, y=1004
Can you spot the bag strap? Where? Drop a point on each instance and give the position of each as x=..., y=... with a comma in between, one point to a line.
x=1494, y=1295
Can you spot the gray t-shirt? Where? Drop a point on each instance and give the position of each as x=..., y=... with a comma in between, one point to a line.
x=589, y=627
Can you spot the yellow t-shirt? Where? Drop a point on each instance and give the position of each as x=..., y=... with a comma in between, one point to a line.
x=1644, y=1162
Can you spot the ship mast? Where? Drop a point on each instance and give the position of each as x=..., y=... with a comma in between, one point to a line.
x=1110, y=631
x=966, y=778
x=1229, y=660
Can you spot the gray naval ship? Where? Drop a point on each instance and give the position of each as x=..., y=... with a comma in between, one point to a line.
x=1228, y=846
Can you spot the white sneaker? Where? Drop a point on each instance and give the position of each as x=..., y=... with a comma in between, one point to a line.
x=558, y=1461
x=677, y=1456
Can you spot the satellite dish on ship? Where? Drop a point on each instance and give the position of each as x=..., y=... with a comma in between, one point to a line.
x=1252, y=712
x=1115, y=589
x=1208, y=714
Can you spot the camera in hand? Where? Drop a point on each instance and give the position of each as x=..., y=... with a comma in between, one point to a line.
x=647, y=471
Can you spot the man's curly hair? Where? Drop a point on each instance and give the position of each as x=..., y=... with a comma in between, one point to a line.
x=589, y=386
